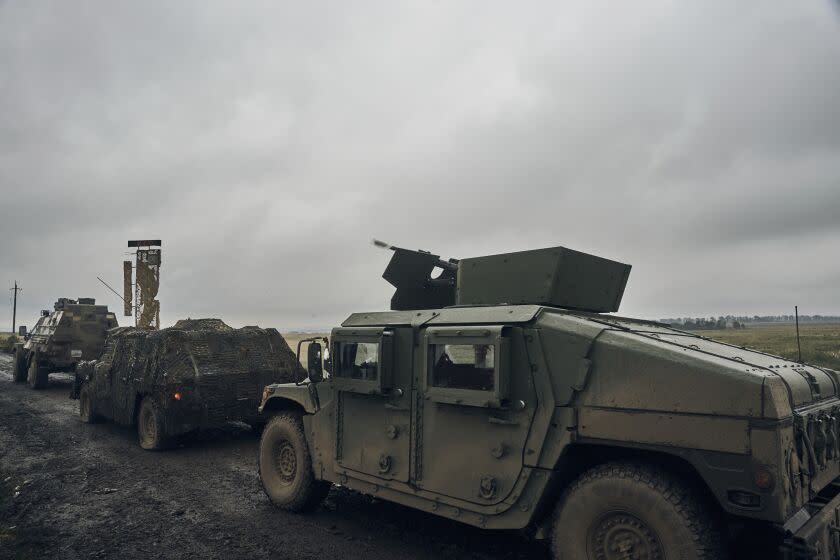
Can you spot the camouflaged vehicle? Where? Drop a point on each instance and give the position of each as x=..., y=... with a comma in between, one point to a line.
x=501, y=395
x=199, y=374
x=74, y=331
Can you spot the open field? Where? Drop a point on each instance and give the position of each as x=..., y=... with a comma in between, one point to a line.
x=7, y=342
x=293, y=337
x=820, y=342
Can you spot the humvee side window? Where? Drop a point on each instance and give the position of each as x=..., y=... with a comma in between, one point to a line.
x=463, y=366
x=358, y=360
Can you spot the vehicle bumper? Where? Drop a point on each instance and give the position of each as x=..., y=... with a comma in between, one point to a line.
x=819, y=537
x=181, y=419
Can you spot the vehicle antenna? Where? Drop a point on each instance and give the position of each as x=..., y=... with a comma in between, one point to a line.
x=110, y=288
x=798, y=342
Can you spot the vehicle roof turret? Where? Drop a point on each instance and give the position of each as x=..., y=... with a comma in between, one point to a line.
x=553, y=276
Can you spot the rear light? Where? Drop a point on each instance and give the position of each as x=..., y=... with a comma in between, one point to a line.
x=177, y=396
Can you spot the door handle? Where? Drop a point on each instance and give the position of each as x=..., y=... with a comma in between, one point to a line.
x=502, y=421
x=395, y=393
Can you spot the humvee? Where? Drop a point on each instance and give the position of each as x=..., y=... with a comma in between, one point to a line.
x=74, y=331
x=501, y=394
x=196, y=375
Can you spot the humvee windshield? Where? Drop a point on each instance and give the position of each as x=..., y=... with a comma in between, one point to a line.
x=463, y=366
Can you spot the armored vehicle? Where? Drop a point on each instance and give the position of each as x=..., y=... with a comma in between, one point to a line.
x=500, y=394
x=74, y=331
x=199, y=374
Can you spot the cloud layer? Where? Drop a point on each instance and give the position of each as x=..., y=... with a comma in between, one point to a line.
x=267, y=143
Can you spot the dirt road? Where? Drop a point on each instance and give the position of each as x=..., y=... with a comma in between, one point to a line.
x=71, y=490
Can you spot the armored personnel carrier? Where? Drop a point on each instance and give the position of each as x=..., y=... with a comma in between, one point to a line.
x=74, y=331
x=500, y=394
x=199, y=374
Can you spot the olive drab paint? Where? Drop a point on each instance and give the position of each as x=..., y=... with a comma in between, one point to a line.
x=555, y=276
x=489, y=386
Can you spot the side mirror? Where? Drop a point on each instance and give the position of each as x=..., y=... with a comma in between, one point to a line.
x=314, y=364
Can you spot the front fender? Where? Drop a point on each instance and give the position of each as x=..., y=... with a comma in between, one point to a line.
x=304, y=396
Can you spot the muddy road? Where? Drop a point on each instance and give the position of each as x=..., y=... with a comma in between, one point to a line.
x=72, y=490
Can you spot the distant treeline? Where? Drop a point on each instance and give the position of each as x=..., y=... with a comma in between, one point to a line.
x=740, y=322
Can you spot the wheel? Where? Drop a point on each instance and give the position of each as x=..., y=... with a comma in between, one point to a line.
x=86, y=408
x=151, y=426
x=286, y=466
x=19, y=367
x=38, y=376
x=629, y=511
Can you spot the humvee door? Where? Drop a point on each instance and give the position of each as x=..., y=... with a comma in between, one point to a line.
x=472, y=421
x=371, y=374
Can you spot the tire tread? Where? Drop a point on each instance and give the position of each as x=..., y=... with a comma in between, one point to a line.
x=695, y=514
x=310, y=492
x=161, y=441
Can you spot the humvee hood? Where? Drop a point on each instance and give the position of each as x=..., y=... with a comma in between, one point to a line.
x=714, y=366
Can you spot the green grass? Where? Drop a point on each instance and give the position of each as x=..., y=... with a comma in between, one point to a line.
x=7, y=341
x=820, y=342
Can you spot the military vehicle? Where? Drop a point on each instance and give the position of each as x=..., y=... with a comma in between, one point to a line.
x=498, y=392
x=196, y=375
x=74, y=331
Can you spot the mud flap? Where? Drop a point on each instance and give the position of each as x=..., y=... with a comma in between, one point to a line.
x=77, y=387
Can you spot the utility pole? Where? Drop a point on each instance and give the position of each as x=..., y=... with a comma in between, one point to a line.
x=798, y=342
x=16, y=289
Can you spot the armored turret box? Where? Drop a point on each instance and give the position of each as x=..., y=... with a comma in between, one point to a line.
x=556, y=276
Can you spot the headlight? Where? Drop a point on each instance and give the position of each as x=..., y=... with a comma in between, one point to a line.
x=266, y=393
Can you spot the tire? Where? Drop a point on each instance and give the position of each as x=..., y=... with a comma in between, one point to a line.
x=87, y=409
x=19, y=368
x=38, y=376
x=286, y=466
x=628, y=510
x=151, y=426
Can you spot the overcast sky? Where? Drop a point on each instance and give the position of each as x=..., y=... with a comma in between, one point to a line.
x=266, y=143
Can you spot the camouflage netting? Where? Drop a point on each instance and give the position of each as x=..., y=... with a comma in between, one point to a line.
x=202, y=325
x=200, y=349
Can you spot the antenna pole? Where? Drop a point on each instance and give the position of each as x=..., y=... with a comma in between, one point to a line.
x=798, y=342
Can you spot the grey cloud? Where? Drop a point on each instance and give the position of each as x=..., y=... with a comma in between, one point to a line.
x=266, y=143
